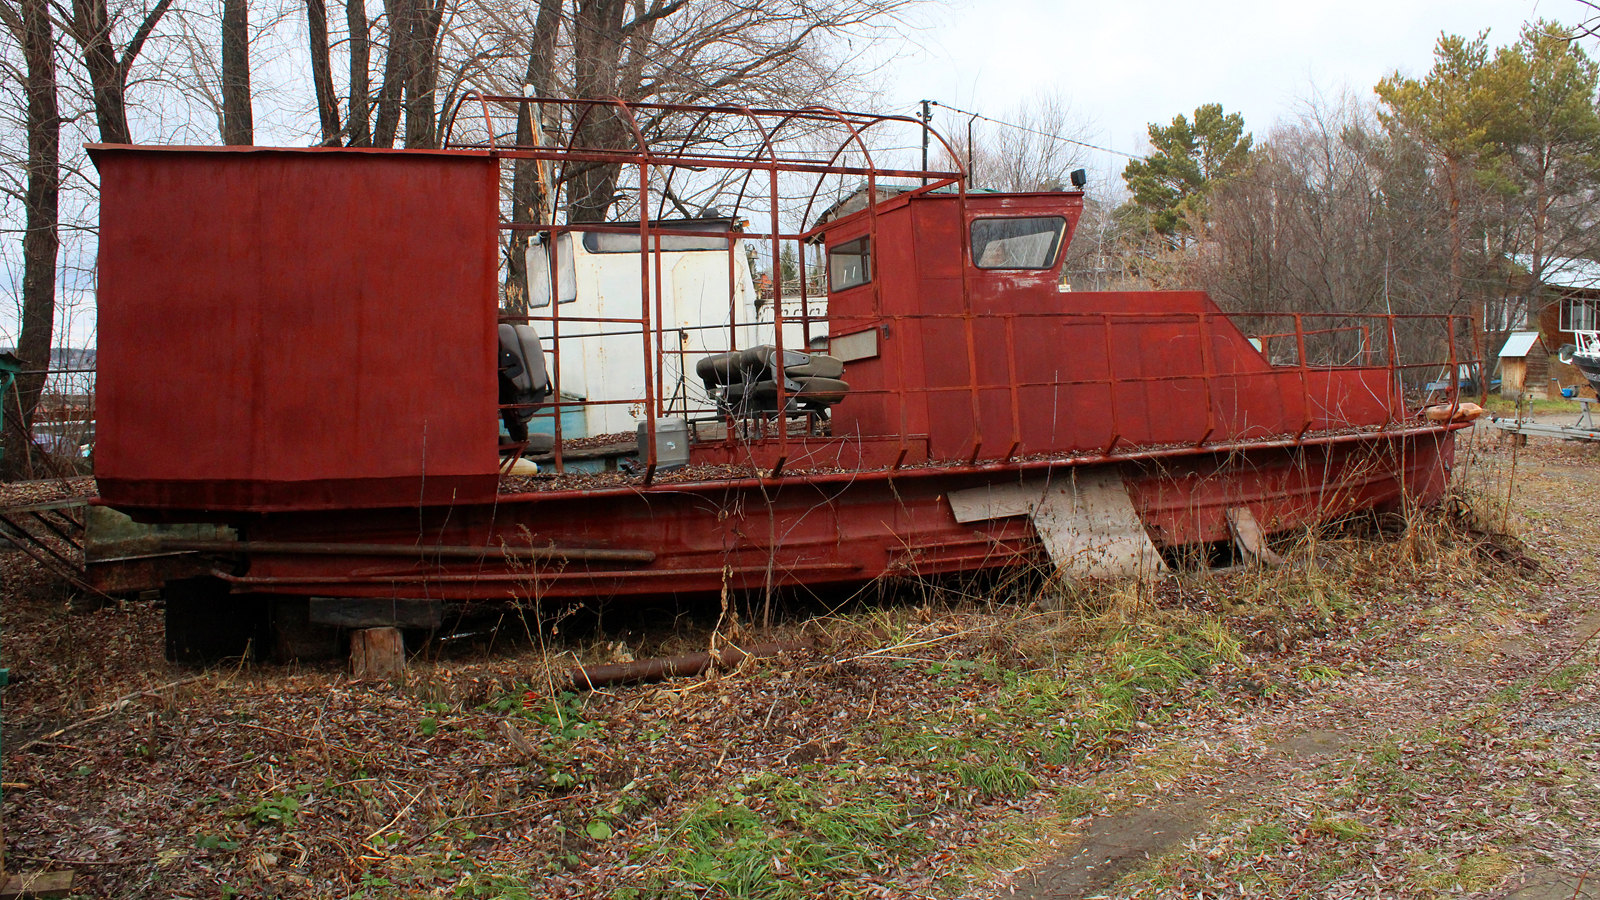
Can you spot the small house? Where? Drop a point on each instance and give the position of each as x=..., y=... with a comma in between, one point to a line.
x=1524, y=365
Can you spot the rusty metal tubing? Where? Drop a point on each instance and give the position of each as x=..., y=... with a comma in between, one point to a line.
x=21, y=538
x=680, y=666
x=334, y=548
x=523, y=578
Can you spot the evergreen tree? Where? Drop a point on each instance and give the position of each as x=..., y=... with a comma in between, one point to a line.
x=1548, y=135
x=1451, y=113
x=1187, y=160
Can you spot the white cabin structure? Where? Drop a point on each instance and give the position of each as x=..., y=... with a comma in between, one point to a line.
x=708, y=299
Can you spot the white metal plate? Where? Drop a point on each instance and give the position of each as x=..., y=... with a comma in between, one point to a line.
x=1084, y=518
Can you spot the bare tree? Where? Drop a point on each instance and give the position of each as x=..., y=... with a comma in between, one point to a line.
x=1032, y=147
x=528, y=200
x=777, y=53
x=1336, y=215
x=92, y=25
x=322, y=71
x=28, y=24
x=238, y=120
x=417, y=35
x=360, y=129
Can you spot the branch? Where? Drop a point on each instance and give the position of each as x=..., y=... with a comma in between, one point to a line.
x=136, y=43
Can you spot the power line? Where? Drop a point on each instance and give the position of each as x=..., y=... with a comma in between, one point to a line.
x=1056, y=137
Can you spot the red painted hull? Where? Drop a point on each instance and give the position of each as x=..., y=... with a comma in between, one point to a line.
x=840, y=529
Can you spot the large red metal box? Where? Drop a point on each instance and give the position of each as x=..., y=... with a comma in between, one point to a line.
x=295, y=329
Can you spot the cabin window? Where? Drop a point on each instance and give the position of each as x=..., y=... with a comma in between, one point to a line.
x=610, y=242
x=1029, y=243
x=539, y=271
x=1580, y=315
x=849, y=264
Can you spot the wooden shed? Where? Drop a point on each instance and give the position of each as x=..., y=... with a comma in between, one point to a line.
x=1524, y=365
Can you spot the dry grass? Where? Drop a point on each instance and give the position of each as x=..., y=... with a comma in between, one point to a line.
x=920, y=745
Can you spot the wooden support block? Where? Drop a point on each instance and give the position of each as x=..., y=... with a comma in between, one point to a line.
x=37, y=884
x=1088, y=525
x=377, y=653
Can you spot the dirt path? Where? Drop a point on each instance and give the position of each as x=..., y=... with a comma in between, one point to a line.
x=1460, y=759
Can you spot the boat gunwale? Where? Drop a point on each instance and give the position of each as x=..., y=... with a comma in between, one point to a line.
x=1019, y=464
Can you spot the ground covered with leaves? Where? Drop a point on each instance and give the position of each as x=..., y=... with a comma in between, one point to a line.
x=1400, y=715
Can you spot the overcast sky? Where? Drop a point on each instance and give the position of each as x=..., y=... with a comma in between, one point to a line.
x=1125, y=63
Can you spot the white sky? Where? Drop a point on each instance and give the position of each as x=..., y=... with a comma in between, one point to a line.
x=1123, y=64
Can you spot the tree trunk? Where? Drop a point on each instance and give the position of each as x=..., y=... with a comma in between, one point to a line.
x=322, y=72
x=1533, y=296
x=1453, y=198
x=92, y=32
x=395, y=76
x=238, y=125
x=527, y=192
x=422, y=71
x=597, y=37
x=90, y=29
x=29, y=22
x=355, y=14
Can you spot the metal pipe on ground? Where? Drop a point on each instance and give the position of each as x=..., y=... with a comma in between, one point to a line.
x=681, y=666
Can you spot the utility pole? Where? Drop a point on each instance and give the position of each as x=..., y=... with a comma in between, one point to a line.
x=927, y=116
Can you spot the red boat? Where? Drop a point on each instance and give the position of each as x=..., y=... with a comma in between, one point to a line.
x=307, y=345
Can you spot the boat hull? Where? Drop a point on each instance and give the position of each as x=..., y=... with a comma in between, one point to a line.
x=841, y=529
x=1589, y=366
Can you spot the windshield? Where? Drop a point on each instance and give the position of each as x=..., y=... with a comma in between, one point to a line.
x=1029, y=243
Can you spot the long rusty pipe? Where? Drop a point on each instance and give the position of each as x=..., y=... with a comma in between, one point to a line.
x=663, y=667
x=335, y=548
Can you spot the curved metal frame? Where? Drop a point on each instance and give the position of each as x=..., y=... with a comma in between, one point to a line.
x=764, y=156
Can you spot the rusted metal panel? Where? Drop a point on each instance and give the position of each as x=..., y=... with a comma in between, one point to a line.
x=295, y=329
x=844, y=528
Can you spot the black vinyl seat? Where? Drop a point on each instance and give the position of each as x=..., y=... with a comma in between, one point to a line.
x=524, y=381
x=745, y=382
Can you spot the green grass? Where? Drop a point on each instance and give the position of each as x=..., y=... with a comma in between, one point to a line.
x=1267, y=836
x=775, y=838
x=1503, y=406
x=1567, y=677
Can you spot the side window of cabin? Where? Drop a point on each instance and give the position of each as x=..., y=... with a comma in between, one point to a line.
x=1017, y=243
x=612, y=242
x=539, y=271
x=849, y=264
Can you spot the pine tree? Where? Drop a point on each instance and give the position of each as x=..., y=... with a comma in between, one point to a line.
x=1188, y=160
x=1548, y=134
x=1451, y=113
